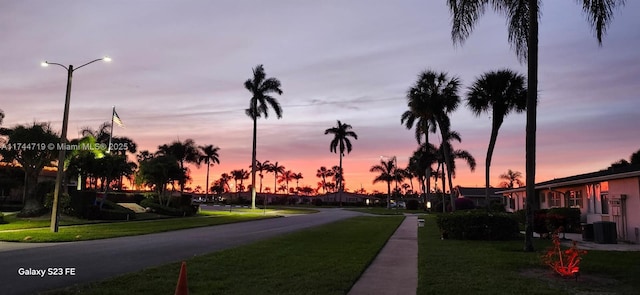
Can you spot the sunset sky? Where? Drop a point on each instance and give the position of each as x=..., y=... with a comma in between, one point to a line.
x=179, y=66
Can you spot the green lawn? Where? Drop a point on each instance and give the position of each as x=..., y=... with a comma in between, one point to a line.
x=501, y=267
x=119, y=229
x=323, y=260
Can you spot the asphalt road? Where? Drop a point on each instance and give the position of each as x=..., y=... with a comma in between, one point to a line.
x=101, y=259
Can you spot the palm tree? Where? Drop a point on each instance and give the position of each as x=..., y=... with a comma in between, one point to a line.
x=224, y=180
x=184, y=152
x=522, y=17
x=261, y=167
x=209, y=155
x=275, y=169
x=386, y=169
x=340, y=142
x=430, y=101
x=285, y=177
x=496, y=93
x=510, y=179
x=261, y=89
x=101, y=134
x=297, y=177
x=323, y=173
x=448, y=154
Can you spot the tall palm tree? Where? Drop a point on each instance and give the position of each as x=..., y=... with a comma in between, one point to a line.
x=324, y=173
x=341, y=142
x=497, y=93
x=421, y=114
x=276, y=169
x=261, y=89
x=386, y=170
x=209, y=155
x=522, y=17
x=430, y=101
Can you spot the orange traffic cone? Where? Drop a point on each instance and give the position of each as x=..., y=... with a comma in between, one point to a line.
x=181, y=288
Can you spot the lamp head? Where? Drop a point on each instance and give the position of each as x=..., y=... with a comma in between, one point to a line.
x=44, y=64
x=107, y=59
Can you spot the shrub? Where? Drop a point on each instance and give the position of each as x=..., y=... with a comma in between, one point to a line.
x=478, y=225
x=464, y=204
x=1, y=218
x=413, y=204
x=570, y=218
x=497, y=207
x=64, y=203
x=317, y=202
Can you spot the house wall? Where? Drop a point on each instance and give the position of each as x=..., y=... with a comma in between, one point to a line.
x=631, y=188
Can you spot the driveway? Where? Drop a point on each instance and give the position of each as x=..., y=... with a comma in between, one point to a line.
x=21, y=264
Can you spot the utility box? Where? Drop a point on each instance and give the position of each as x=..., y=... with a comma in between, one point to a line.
x=420, y=222
x=605, y=232
x=587, y=232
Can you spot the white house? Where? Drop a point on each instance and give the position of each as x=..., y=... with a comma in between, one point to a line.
x=606, y=195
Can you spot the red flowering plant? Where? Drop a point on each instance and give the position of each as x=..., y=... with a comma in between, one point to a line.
x=564, y=262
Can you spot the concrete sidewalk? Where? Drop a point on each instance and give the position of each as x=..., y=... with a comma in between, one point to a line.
x=395, y=269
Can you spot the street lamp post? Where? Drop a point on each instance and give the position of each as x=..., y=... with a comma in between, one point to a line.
x=63, y=138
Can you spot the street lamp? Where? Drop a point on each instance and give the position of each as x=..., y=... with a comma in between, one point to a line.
x=63, y=136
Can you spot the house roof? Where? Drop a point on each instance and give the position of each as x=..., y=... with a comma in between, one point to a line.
x=591, y=177
x=476, y=192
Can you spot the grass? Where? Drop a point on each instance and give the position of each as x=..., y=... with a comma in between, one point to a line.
x=501, y=267
x=385, y=211
x=324, y=260
x=120, y=229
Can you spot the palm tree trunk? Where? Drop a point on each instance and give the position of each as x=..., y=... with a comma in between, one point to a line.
x=388, y=194
x=427, y=172
x=253, y=159
x=532, y=96
x=447, y=163
x=340, y=181
x=261, y=177
x=492, y=144
x=206, y=189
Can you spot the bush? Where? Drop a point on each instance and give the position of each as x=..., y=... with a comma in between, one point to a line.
x=64, y=204
x=1, y=218
x=570, y=218
x=464, y=204
x=413, y=204
x=497, y=206
x=317, y=202
x=478, y=225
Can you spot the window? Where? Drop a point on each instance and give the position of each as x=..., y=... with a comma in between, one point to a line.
x=575, y=199
x=604, y=202
x=512, y=203
x=554, y=199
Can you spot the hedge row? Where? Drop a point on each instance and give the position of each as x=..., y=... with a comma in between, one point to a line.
x=478, y=225
x=548, y=220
